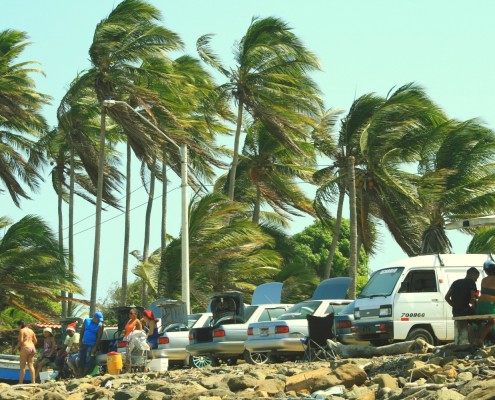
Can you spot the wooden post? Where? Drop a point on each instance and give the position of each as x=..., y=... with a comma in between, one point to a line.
x=461, y=332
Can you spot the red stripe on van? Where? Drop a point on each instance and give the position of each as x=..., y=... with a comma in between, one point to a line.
x=404, y=319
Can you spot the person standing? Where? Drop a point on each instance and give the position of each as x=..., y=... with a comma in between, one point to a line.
x=26, y=344
x=133, y=324
x=151, y=327
x=91, y=332
x=461, y=295
x=486, y=302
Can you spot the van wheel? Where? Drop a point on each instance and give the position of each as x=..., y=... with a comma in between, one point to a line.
x=256, y=358
x=421, y=333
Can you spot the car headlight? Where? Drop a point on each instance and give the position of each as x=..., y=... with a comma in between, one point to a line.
x=386, y=311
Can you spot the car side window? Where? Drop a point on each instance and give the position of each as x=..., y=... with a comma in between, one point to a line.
x=274, y=313
x=419, y=281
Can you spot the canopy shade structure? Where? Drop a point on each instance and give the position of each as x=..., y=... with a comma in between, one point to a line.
x=488, y=220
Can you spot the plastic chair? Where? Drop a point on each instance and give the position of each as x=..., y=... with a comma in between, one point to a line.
x=320, y=329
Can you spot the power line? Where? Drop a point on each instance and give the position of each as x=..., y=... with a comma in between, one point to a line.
x=122, y=213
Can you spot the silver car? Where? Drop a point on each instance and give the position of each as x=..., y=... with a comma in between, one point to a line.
x=174, y=339
x=282, y=338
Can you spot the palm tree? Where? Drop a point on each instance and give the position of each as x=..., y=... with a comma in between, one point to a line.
x=74, y=148
x=32, y=271
x=383, y=135
x=458, y=180
x=20, y=118
x=270, y=81
x=267, y=173
x=230, y=251
x=122, y=41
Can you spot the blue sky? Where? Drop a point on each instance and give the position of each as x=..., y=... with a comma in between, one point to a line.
x=364, y=46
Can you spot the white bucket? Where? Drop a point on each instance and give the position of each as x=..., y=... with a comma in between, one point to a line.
x=158, y=364
x=48, y=375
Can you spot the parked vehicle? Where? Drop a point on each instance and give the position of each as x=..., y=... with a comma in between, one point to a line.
x=406, y=299
x=174, y=339
x=281, y=338
x=224, y=339
x=344, y=329
x=172, y=318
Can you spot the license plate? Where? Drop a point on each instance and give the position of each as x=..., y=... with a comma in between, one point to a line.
x=365, y=329
x=263, y=331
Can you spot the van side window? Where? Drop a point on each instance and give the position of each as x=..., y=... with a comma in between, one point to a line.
x=419, y=281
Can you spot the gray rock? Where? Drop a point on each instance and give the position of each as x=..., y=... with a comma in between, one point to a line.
x=151, y=395
x=238, y=383
x=126, y=395
x=448, y=394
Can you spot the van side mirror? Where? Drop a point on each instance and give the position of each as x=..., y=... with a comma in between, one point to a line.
x=403, y=287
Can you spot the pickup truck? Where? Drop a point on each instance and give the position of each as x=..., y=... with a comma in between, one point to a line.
x=282, y=338
x=224, y=339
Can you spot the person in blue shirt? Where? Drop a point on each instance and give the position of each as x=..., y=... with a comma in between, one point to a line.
x=91, y=332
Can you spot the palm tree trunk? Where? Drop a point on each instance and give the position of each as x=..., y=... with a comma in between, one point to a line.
x=353, y=228
x=72, y=179
x=59, y=172
x=162, y=273
x=257, y=207
x=99, y=195
x=336, y=233
x=235, y=159
x=147, y=227
x=127, y=226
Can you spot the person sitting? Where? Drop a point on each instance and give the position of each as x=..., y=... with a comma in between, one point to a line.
x=486, y=302
x=151, y=327
x=72, y=347
x=49, y=352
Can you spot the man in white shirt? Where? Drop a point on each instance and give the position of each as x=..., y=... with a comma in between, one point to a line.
x=72, y=346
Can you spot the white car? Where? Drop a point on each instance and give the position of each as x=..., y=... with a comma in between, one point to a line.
x=174, y=339
x=282, y=338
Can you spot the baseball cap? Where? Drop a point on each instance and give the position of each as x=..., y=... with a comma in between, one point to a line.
x=488, y=263
x=98, y=315
x=49, y=330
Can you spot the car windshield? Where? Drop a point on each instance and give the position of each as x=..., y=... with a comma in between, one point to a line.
x=381, y=283
x=300, y=310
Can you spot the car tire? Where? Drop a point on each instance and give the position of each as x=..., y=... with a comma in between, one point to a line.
x=421, y=333
x=256, y=358
x=203, y=361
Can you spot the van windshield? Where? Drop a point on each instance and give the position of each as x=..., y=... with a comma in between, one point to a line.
x=381, y=283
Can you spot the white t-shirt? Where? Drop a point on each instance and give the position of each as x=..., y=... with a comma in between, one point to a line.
x=70, y=341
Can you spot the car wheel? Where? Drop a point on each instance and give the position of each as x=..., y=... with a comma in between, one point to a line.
x=256, y=358
x=421, y=333
x=202, y=361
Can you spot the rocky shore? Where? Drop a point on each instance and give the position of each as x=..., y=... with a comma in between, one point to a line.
x=441, y=375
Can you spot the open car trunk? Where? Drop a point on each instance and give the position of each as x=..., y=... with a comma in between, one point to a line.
x=228, y=308
x=172, y=312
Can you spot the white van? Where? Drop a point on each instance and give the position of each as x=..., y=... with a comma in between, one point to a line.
x=406, y=299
